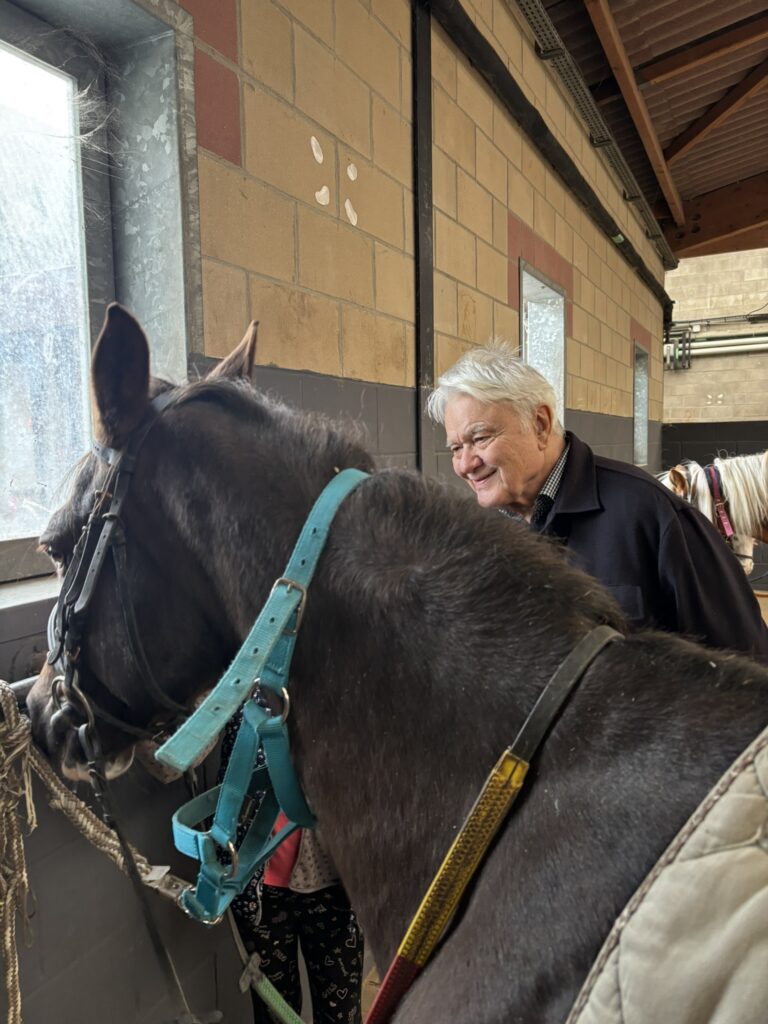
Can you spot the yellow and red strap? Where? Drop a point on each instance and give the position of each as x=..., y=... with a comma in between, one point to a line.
x=447, y=887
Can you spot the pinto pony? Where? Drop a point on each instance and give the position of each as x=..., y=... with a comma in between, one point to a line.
x=430, y=630
x=741, y=485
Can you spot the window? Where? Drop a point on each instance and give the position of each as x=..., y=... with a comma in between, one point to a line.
x=543, y=330
x=640, y=408
x=44, y=341
x=92, y=179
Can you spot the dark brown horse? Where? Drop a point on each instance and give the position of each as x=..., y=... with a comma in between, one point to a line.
x=431, y=628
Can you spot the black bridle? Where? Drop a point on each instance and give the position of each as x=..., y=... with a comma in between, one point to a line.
x=103, y=533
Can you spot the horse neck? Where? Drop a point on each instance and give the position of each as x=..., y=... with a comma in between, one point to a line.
x=392, y=767
x=413, y=672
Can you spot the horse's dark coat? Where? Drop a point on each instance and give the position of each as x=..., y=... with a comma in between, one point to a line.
x=431, y=628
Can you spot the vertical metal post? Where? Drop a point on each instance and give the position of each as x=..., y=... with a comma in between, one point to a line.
x=421, y=48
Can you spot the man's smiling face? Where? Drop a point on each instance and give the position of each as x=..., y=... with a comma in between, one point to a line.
x=504, y=459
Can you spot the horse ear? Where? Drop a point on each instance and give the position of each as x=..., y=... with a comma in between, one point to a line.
x=239, y=364
x=120, y=376
x=678, y=482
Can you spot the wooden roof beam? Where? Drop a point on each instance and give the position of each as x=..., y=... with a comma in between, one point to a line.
x=692, y=55
x=731, y=218
x=716, y=44
x=736, y=97
x=610, y=39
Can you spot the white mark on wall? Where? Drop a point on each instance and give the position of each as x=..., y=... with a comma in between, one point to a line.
x=352, y=172
x=317, y=150
x=323, y=196
x=351, y=214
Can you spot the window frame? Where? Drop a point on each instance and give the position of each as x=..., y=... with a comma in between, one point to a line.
x=542, y=278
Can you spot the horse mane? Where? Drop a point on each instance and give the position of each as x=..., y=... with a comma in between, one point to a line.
x=701, y=496
x=744, y=480
x=325, y=442
x=745, y=484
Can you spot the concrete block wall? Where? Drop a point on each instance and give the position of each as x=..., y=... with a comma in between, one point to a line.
x=497, y=202
x=717, y=389
x=322, y=253
x=728, y=388
x=304, y=160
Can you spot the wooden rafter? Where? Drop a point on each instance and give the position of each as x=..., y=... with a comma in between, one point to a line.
x=692, y=55
x=730, y=218
x=717, y=44
x=736, y=97
x=608, y=33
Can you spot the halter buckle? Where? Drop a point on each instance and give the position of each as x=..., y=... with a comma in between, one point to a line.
x=292, y=585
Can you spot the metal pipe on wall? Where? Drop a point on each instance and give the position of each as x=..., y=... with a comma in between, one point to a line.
x=729, y=350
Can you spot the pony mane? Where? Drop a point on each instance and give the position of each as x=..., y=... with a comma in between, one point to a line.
x=701, y=496
x=745, y=484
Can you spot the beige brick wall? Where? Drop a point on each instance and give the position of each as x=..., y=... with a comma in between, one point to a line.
x=725, y=285
x=719, y=388
x=322, y=252
x=484, y=168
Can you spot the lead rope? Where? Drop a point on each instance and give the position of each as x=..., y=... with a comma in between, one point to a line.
x=15, y=783
x=19, y=757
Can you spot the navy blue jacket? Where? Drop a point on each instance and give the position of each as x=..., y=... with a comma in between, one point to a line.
x=662, y=561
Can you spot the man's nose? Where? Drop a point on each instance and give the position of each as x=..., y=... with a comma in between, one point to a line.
x=466, y=460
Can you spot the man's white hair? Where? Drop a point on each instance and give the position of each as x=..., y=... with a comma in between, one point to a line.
x=495, y=373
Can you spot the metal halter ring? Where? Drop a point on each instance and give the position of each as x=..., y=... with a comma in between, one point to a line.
x=57, y=685
x=89, y=715
x=286, y=706
x=179, y=900
x=235, y=860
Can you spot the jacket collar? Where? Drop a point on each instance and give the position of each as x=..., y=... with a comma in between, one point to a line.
x=578, y=491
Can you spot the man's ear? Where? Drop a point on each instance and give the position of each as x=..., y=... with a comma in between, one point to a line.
x=119, y=376
x=678, y=482
x=543, y=422
x=239, y=363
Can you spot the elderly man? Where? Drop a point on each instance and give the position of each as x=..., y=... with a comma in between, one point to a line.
x=662, y=561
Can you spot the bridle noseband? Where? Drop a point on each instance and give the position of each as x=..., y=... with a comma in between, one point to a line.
x=103, y=533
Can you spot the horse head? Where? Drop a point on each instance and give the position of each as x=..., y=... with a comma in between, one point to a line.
x=152, y=607
x=744, y=482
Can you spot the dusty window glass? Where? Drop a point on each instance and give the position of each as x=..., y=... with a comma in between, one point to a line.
x=640, y=455
x=44, y=339
x=543, y=333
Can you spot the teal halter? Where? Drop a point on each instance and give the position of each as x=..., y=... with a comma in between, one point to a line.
x=264, y=659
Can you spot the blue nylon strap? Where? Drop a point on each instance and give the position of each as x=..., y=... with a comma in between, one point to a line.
x=265, y=658
x=268, y=632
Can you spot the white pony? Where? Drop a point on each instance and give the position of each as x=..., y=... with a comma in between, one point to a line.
x=734, y=498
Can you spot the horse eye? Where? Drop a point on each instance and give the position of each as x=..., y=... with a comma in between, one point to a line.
x=56, y=554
